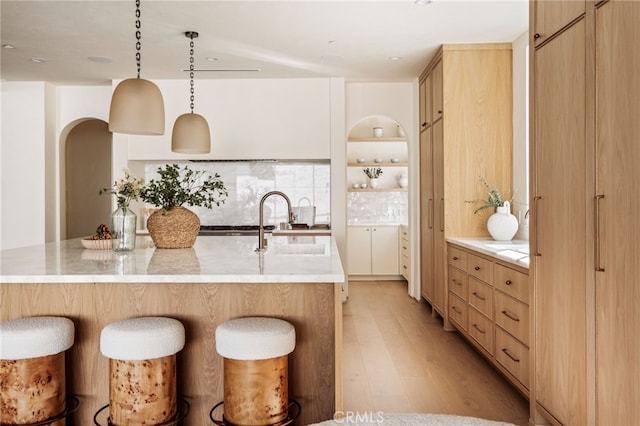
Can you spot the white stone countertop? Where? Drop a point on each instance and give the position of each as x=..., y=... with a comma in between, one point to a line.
x=515, y=251
x=212, y=259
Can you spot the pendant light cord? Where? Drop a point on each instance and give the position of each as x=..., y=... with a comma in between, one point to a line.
x=191, y=70
x=138, y=36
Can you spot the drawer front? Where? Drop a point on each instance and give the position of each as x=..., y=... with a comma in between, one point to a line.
x=481, y=330
x=457, y=258
x=458, y=282
x=480, y=268
x=404, y=267
x=481, y=296
x=513, y=316
x=513, y=356
x=514, y=283
x=404, y=248
x=458, y=311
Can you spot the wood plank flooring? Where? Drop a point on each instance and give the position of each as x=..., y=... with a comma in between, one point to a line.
x=398, y=358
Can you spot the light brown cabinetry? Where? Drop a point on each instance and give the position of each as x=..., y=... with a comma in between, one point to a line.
x=488, y=304
x=584, y=228
x=551, y=16
x=404, y=251
x=471, y=138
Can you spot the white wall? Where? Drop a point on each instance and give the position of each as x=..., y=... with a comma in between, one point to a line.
x=22, y=160
x=521, y=132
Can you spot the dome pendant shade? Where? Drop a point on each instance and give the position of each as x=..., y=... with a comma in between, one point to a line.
x=137, y=108
x=191, y=135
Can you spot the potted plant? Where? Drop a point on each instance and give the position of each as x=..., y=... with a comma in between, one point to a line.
x=373, y=173
x=172, y=225
x=502, y=225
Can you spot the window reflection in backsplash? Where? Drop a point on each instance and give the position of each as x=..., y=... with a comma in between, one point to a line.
x=248, y=181
x=377, y=207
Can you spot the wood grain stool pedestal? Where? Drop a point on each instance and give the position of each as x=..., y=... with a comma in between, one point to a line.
x=32, y=369
x=256, y=386
x=142, y=369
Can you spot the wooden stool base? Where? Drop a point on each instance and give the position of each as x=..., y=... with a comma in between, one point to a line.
x=142, y=392
x=32, y=390
x=256, y=392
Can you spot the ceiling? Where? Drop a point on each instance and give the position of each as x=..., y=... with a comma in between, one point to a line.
x=294, y=38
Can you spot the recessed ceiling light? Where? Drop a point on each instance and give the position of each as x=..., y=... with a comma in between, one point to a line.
x=38, y=60
x=8, y=46
x=331, y=42
x=100, y=59
x=395, y=58
x=422, y=2
x=212, y=59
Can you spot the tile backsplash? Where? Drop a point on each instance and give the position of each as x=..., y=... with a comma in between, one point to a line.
x=377, y=207
x=248, y=181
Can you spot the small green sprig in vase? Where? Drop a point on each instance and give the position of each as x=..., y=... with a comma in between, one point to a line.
x=372, y=172
x=494, y=198
x=123, y=220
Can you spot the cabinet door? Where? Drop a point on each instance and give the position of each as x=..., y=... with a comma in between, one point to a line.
x=439, y=246
x=618, y=179
x=550, y=16
x=426, y=214
x=359, y=248
x=437, y=108
x=559, y=225
x=425, y=103
x=384, y=250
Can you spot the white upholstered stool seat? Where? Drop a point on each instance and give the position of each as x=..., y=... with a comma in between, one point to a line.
x=142, y=369
x=32, y=365
x=256, y=383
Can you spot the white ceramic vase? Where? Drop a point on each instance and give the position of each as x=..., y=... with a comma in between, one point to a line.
x=502, y=225
x=373, y=182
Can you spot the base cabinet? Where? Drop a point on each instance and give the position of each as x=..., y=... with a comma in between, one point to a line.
x=373, y=250
x=488, y=302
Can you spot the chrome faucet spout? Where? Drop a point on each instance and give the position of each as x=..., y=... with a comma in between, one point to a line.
x=261, y=240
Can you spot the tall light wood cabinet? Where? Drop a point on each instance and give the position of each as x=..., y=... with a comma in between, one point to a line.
x=617, y=300
x=466, y=132
x=584, y=229
x=560, y=240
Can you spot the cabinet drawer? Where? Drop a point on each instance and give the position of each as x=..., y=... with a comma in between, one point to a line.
x=404, y=267
x=513, y=316
x=480, y=268
x=457, y=258
x=481, y=296
x=514, y=283
x=404, y=247
x=458, y=311
x=513, y=356
x=481, y=329
x=458, y=283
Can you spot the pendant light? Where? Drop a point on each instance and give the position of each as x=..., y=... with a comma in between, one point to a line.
x=191, y=131
x=137, y=107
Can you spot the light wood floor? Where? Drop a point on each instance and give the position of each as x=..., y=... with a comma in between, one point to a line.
x=398, y=358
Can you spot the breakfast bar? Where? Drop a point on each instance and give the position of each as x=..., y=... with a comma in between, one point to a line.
x=297, y=278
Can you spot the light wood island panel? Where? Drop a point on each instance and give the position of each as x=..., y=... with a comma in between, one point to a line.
x=314, y=309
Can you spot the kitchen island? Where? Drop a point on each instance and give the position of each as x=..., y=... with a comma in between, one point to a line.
x=298, y=279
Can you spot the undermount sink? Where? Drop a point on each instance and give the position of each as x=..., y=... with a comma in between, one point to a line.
x=522, y=248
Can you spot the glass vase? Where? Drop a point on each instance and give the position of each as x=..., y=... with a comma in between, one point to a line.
x=123, y=229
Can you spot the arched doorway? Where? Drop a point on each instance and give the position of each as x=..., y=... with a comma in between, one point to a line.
x=87, y=169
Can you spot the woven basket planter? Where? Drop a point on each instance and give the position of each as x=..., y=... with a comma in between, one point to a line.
x=175, y=228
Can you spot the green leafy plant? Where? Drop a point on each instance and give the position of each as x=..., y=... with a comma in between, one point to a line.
x=372, y=172
x=125, y=189
x=182, y=186
x=494, y=198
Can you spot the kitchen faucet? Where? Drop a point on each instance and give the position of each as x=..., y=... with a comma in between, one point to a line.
x=261, y=240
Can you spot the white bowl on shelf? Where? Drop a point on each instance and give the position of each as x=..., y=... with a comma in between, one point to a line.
x=355, y=185
x=378, y=160
x=360, y=160
x=363, y=186
x=395, y=160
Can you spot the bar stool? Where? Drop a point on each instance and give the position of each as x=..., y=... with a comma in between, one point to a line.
x=142, y=370
x=256, y=382
x=32, y=369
